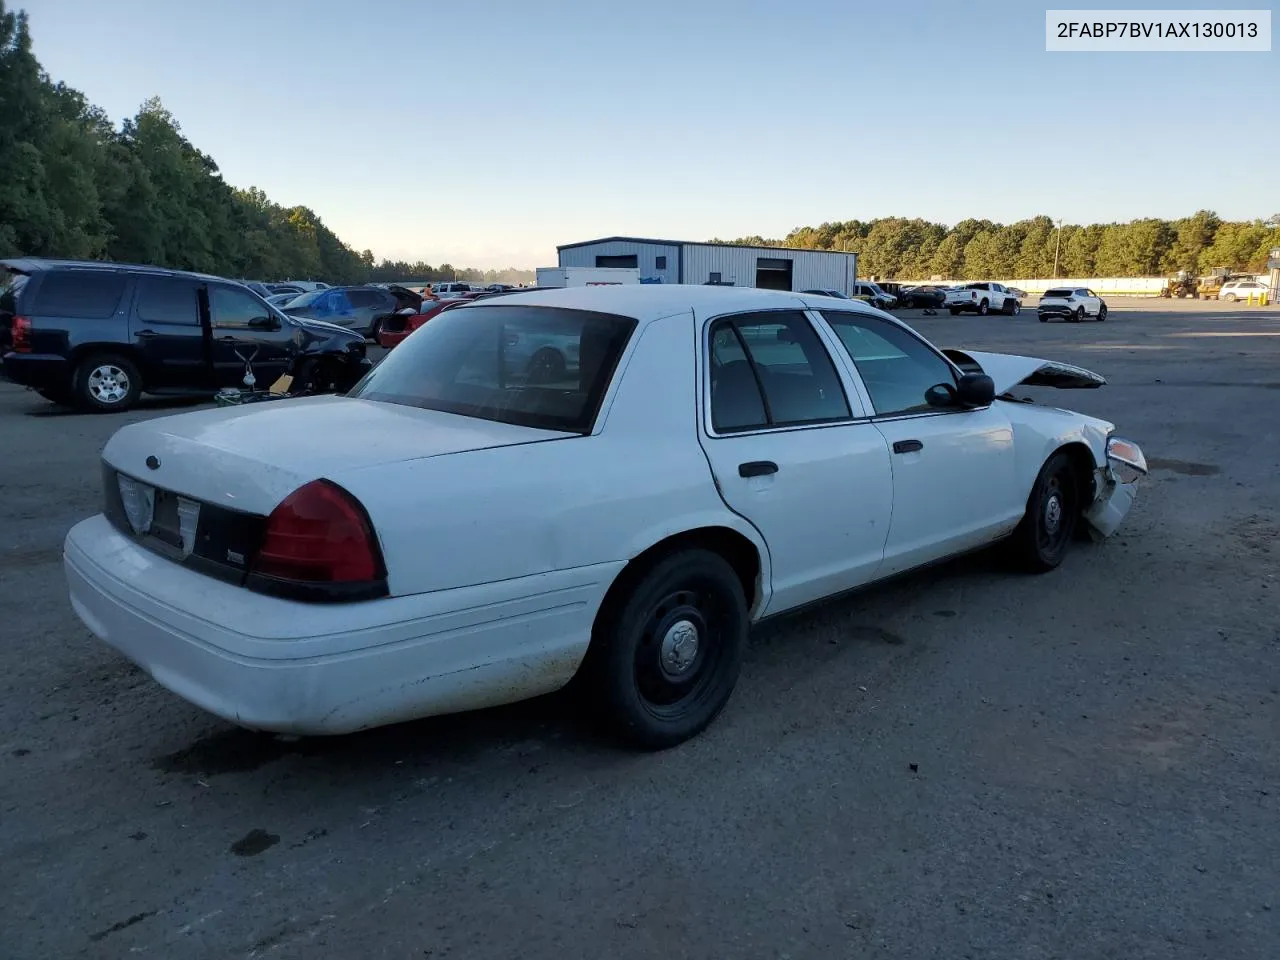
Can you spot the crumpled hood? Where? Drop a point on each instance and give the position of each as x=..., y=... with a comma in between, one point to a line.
x=1008, y=371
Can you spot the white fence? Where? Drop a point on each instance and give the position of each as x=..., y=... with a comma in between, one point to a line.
x=1116, y=286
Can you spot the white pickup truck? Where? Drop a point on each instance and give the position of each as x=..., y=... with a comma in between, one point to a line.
x=982, y=298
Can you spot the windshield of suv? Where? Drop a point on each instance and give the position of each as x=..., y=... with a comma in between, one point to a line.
x=543, y=367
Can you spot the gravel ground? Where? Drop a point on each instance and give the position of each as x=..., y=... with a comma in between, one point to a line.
x=964, y=763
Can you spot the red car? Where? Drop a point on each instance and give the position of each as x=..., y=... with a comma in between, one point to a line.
x=395, y=329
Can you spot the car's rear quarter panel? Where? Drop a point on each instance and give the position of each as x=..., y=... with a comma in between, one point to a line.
x=498, y=514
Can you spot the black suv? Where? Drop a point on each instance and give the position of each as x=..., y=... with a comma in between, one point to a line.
x=97, y=335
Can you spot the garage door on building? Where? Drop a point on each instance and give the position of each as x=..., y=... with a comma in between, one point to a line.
x=773, y=273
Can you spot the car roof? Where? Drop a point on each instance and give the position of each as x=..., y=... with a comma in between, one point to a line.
x=651, y=301
x=42, y=264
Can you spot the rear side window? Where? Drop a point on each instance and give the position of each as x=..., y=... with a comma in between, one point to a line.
x=11, y=287
x=365, y=298
x=533, y=366
x=83, y=294
x=168, y=300
x=771, y=370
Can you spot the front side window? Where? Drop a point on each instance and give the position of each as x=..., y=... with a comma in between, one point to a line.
x=236, y=309
x=771, y=370
x=542, y=367
x=896, y=367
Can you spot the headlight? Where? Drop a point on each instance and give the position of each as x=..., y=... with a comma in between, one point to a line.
x=1125, y=459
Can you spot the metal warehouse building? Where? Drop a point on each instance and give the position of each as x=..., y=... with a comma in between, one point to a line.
x=731, y=264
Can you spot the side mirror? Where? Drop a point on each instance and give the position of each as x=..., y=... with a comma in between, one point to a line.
x=975, y=390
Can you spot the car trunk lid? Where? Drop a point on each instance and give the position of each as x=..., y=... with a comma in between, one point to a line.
x=248, y=458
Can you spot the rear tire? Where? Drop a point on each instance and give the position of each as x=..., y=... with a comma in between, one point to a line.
x=910, y=303
x=1078, y=316
x=1230, y=298
x=664, y=660
x=984, y=308
x=106, y=383
x=1053, y=510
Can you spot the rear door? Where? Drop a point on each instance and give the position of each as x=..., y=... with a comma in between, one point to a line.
x=247, y=336
x=792, y=452
x=168, y=333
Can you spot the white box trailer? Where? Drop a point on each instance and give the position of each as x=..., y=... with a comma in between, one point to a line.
x=586, y=276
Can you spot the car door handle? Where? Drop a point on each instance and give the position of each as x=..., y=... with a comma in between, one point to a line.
x=757, y=468
x=229, y=339
x=907, y=446
x=144, y=334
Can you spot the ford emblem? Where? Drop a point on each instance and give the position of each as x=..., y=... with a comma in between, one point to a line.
x=153, y=463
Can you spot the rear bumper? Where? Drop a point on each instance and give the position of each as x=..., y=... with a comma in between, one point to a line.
x=388, y=339
x=272, y=664
x=39, y=370
x=1060, y=312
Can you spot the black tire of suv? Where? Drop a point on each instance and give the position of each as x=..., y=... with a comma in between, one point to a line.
x=87, y=397
x=1078, y=316
x=984, y=308
x=1102, y=313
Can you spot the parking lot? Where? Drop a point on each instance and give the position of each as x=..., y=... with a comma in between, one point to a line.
x=963, y=763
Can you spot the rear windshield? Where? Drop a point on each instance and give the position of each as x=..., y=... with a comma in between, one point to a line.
x=539, y=367
x=1060, y=294
x=11, y=284
x=83, y=294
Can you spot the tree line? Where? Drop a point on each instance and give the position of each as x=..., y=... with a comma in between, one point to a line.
x=73, y=184
x=902, y=249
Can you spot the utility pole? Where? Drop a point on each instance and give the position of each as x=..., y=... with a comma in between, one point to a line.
x=1056, y=247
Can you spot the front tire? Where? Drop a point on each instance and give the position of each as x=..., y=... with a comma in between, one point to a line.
x=1040, y=541
x=1102, y=313
x=910, y=303
x=106, y=383
x=664, y=661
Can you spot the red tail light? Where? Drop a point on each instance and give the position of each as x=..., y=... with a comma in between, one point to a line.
x=319, y=545
x=20, y=332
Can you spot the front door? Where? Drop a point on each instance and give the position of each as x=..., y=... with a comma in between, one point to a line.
x=791, y=453
x=167, y=331
x=954, y=475
x=247, y=337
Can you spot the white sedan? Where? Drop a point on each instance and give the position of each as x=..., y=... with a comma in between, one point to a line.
x=465, y=529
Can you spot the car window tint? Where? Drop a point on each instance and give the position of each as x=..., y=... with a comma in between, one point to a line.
x=896, y=367
x=85, y=294
x=364, y=298
x=777, y=374
x=534, y=366
x=235, y=308
x=168, y=300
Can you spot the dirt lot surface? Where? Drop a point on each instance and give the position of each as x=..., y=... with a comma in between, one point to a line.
x=965, y=763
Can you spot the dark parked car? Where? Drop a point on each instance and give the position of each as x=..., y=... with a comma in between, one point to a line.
x=97, y=335
x=362, y=309
x=927, y=296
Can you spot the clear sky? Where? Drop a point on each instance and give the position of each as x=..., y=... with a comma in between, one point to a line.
x=485, y=132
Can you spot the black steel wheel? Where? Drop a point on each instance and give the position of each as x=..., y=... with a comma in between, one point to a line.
x=1053, y=510
x=664, y=660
